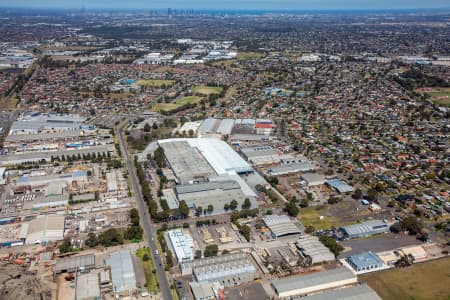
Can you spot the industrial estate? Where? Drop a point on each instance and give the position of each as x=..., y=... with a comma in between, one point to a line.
x=195, y=156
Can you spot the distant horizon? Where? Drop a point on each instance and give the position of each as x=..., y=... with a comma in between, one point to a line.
x=231, y=5
x=229, y=10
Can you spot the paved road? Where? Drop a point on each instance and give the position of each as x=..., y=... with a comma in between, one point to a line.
x=145, y=220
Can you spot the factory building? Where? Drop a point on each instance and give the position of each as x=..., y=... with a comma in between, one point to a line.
x=12, y=234
x=188, y=128
x=312, y=283
x=357, y=292
x=260, y=155
x=365, y=229
x=286, y=169
x=215, y=193
x=45, y=229
x=313, y=179
x=367, y=261
x=340, y=186
x=182, y=244
x=122, y=271
x=229, y=269
x=186, y=162
x=280, y=225
x=35, y=123
x=75, y=263
x=205, y=290
x=33, y=181
x=311, y=248
x=87, y=287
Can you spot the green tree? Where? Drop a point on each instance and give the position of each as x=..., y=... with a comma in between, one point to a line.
x=245, y=231
x=134, y=217
x=199, y=210
x=183, y=209
x=169, y=259
x=134, y=233
x=210, y=208
x=66, y=246
x=110, y=237
x=91, y=240
x=211, y=250
x=247, y=204
x=233, y=204
x=198, y=254
x=292, y=208
x=331, y=244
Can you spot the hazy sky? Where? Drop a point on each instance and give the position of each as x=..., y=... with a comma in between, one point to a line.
x=231, y=4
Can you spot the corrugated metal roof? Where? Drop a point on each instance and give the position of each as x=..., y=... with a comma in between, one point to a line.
x=340, y=186
x=311, y=280
x=122, y=271
x=365, y=259
x=207, y=186
x=366, y=228
x=182, y=244
x=70, y=263
x=358, y=292
x=281, y=225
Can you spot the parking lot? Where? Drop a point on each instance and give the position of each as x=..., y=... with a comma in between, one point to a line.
x=379, y=243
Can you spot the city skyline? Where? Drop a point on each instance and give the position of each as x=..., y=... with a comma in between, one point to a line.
x=233, y=4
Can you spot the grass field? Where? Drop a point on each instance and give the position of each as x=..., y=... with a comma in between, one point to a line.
x=155, y=82
x=9, y=103
x=423, y=281
x=310, y=216
x=324, y=217
x=439, y=96
x=149, y=269
x=207, y=90
x=176, y=104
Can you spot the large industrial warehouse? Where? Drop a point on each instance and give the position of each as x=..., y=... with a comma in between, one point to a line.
x=229, y=269
x=217, y=155
x=46, y=229
x=357, y=292
x=310, y=246
x=364, y=229
x=182, y=244
x=208, y=173
x=307, y=284
x=216, y=194
x=280, y=225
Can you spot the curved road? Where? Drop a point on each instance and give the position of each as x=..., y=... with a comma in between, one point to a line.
x=145, y=220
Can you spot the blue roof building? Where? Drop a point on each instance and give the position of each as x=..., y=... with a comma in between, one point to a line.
x=339, y=186
x=365, y=261
x=364, y=229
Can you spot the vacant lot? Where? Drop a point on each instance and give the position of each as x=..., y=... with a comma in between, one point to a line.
x=9, y=103
x=327, y=216
x=155, y=82
x=176, y=104
x=423, y=281
x=207, y=90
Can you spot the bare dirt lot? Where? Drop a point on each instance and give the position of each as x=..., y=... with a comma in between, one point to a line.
x=16, y=283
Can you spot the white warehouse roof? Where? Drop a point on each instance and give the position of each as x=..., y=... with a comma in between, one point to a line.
x=182, y=244
x=222, y=158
